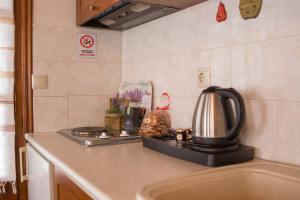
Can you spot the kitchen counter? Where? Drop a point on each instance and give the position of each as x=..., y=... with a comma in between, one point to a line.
x=114, y=172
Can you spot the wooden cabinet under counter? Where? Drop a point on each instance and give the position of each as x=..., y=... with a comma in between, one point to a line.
x=77, y=169
x=48, y=182
x=66, y=189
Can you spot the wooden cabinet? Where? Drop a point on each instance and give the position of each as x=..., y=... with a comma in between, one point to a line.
x=65, y=189
x=48, y=182
x=87, y=9
x=89, y=12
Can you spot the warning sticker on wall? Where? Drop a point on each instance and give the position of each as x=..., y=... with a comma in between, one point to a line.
x=87, y=44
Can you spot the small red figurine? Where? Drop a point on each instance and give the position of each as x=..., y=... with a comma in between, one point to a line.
x=222, y=14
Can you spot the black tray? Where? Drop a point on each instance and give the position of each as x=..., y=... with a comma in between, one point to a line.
x=178, y=150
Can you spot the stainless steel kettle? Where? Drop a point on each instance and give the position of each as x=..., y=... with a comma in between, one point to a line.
x=218, y=117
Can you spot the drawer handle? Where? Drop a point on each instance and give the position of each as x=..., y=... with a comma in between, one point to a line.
x=92, y=8
x=24, y=177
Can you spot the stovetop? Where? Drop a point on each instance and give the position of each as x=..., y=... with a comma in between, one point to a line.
x=92, y=136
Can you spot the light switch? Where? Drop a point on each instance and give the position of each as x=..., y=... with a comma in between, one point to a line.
x=40, y=82
x=203, y=77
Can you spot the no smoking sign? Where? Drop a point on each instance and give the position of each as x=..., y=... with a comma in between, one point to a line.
x=87, y=45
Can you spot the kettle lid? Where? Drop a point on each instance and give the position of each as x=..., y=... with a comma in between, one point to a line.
x=211, y=89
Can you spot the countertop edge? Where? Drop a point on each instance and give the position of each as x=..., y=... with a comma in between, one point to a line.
x=90, y=189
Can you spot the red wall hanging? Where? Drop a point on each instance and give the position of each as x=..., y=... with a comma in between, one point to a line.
x=222, y=14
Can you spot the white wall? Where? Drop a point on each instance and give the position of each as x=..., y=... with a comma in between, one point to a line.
x=259, y=57
x=79, y=88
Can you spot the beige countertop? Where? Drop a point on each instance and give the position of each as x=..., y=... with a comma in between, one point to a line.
x=110, y=172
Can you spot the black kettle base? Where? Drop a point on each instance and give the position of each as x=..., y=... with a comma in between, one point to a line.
x=199, y=142
x=238, y=154
x=211, y=149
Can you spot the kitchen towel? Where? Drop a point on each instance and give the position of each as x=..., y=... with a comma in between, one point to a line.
x=7, y=142
x=7, y=119
x=7, y=161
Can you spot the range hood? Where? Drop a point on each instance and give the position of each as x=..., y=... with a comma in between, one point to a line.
x=125, y=14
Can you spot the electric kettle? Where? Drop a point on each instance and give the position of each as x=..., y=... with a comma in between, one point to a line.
x=218, y=117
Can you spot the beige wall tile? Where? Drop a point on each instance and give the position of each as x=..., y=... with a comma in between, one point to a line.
x=111, y=77
x=87, y=110
x=260, y=130
x=289, y=70
x=151, y=40
x=57, y=74
x=54, y=12
x=288, y=17
x=75, y=36
x=84, y=79
x=261, y=28
x=50, y=113
x=159, y=73
x=168, y=51
x=255, y=71
x=134, y=44
x=183, y=78
x=154, y=39
x=181, y=111
x=195, y=29
x=94, y=79
x=288, y=132
x=133, y=71
x=249, y=55
x=54, y=43
x=55, y=52
x=184, y=69
x=110, y=48
x=177, y=33
x=157, y=70
x=60, y=43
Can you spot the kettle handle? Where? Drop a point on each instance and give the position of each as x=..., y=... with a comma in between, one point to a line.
x=239, y=109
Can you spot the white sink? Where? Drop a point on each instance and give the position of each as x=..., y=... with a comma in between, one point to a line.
x=255, y=181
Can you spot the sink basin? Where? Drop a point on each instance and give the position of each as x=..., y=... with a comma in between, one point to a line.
x=255, y=181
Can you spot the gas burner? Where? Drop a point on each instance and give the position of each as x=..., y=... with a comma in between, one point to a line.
x=91, y=136
x=87, y=131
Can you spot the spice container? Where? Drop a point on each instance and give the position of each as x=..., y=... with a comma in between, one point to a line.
x=189, y=133
x=114, y=122
x=181, y=135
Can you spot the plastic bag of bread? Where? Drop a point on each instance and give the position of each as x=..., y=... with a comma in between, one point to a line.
x=156, y=123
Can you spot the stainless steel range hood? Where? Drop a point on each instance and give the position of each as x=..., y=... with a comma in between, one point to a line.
x=126, y=14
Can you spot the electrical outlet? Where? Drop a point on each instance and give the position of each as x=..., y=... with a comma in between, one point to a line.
x=40, y=81
x=203, y=77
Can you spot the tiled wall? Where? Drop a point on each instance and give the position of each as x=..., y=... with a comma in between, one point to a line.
x=259, y=57
x=79, y=88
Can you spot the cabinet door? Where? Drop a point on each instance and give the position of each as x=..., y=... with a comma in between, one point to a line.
x=65, y=189
x=87, y=9
x=40, y=176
